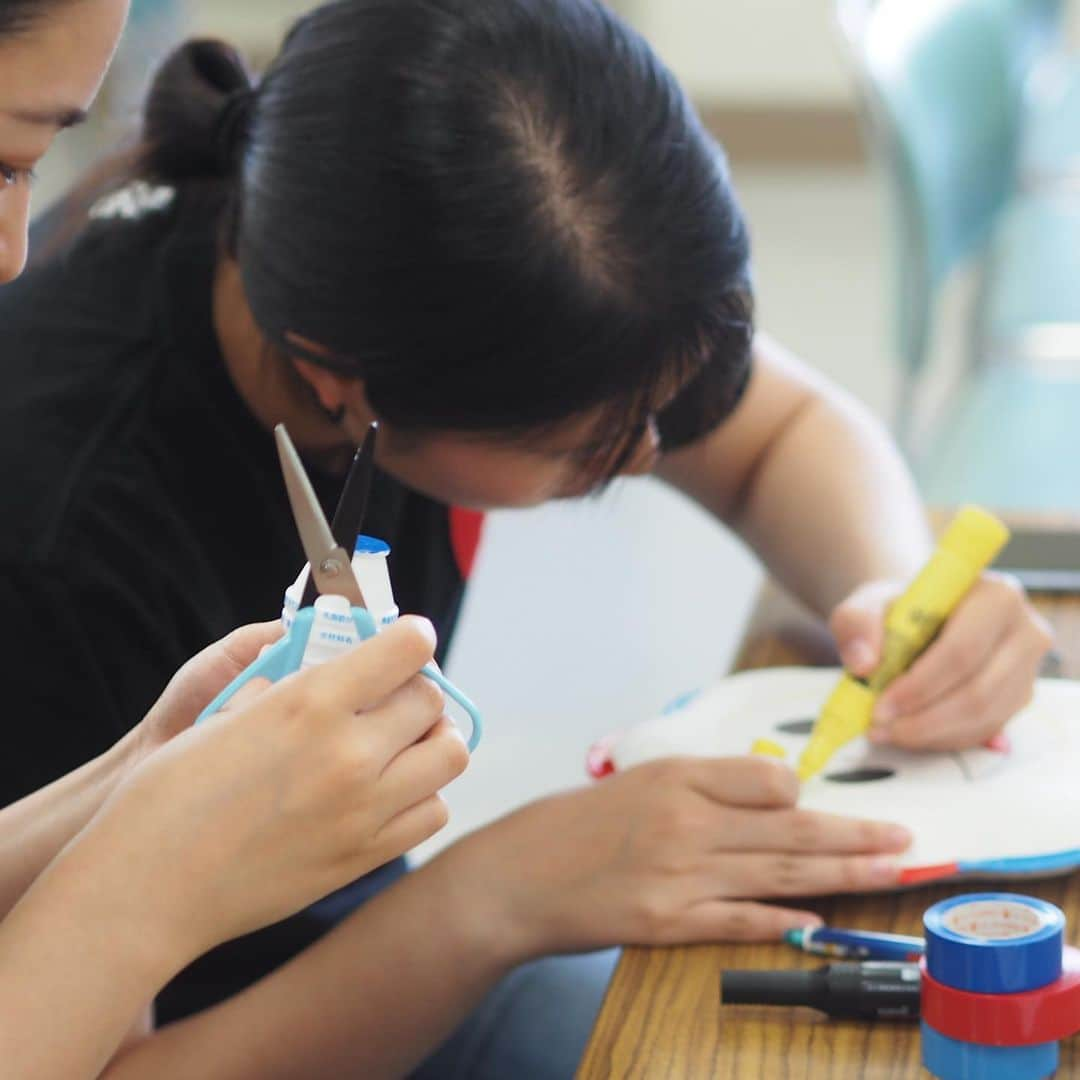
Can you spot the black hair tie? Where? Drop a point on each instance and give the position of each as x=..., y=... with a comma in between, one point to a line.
x=233, y=125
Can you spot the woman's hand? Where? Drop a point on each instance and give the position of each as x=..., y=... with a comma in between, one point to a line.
x=672, y=851
x=33, y=830
x=293, y=792
x=198, y=682
x=977, y=674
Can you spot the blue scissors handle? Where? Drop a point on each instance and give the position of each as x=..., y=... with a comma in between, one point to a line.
x=452, y=692
x=286, y=656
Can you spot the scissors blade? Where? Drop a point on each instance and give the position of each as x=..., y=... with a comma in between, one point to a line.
x=331, y=567
x=351, y=508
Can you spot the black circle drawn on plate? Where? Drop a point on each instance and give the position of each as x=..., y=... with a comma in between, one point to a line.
x=862, y=775
x=796, y=727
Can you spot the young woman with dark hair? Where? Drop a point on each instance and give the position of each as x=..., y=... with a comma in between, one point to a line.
x=497, y=227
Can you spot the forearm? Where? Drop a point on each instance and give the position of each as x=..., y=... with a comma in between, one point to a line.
x=35, y=829
x=76, y=951
x=373, y=998
x=810, y=480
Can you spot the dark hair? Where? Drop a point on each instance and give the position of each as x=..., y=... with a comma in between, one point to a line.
x=18, y=16
x=499, y=213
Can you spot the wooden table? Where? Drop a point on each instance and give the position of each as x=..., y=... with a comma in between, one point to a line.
x=662, y=1015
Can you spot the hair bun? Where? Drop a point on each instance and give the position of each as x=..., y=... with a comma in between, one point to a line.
x=234, y=122
x=198, y=111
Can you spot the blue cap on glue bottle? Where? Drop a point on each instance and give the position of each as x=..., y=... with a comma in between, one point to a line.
x=370, y=565
x=992, y=943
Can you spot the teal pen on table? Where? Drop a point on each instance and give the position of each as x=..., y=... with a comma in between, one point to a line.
x=855, y=944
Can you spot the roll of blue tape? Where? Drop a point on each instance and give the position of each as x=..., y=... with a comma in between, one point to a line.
x=949, y=1059
x=994, y=943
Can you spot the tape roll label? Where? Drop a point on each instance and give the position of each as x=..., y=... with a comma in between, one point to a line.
x=995, y=920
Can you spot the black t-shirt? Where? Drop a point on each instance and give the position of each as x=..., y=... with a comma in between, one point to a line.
x=144, y=516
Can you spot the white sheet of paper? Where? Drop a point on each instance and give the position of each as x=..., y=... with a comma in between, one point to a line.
x=977, y=804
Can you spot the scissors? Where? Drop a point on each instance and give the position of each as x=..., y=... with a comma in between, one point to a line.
x=332, y=614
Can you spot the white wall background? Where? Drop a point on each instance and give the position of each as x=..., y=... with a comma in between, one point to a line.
x=744, y=51
x=748, y=51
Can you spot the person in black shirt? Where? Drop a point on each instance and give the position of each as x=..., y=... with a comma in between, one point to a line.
x=497, y=227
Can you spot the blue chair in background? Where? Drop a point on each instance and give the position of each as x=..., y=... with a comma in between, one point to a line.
x=946, y=89
x=1050, y=157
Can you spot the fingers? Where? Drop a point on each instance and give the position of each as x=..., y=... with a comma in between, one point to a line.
x=240, y=649
x=858, y=626
x=245, y=695
x=989, y=614
x=974, y=678
x=204, y=676
x=752, y=782
x=375, y=668
x=809, y=832
x=742, y=921
x=424, y=768
x=751, y=807
x=403, y=718
x=738, y=875
x=413, y=826
x=976, y=710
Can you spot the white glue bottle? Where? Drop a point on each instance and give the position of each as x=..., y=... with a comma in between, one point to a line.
x=369, y=564
x=333, y=630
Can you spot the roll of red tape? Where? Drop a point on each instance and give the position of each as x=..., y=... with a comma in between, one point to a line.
x=1045, y=1015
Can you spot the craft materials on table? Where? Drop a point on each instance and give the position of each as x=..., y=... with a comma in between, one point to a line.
x=338, y=600
x=999, y=988
x=1013, y=810
x=995, y=993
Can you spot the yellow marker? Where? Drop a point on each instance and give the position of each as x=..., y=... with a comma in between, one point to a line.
x=969, y=545
x=768, y=748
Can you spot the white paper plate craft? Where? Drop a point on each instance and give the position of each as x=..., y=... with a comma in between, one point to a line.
x=1013, y=810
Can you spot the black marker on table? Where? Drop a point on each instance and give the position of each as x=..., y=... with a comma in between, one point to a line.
x=871, y=990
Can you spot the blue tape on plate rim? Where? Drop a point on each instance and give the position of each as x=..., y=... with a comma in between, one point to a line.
x=994, y=943
x=1056, y=862
x=949, y=1059
x=680, y=702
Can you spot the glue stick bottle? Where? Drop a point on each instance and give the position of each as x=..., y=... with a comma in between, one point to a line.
x=370, y=565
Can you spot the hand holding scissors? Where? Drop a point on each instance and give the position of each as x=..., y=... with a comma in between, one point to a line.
x=333, y=614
